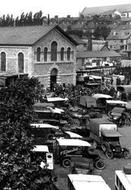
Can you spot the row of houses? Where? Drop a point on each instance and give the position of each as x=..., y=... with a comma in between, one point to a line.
x=46, y=52
x=123, y=10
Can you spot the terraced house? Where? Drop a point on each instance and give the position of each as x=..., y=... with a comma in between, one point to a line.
x=119, y=37
x=46, y=52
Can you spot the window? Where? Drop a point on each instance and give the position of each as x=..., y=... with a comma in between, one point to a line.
x=62, y=54
x=20, y=63
x=54, y=51
x=68, y=53
x=45, y=53
x=38, y=53
x=3, y=61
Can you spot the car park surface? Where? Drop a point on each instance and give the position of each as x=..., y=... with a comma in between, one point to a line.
x=111, y=164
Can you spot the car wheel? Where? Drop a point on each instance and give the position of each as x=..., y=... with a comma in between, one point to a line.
x=126, y=154
x=109, y=154
x=99, y=164
x=66, y=163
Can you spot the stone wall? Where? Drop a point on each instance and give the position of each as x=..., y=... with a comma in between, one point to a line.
x=12, y=58
x=66, y=69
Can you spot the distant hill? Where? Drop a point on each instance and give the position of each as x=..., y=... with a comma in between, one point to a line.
x=99, y=10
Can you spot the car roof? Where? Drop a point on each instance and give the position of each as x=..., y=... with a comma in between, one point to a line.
x=73, y=142
x=116, y=102
x=111, y=133
x=44, y=125
x=55, y=99
x=73, y=135
x=106, y=96
x=40, y=148
x=82, y=181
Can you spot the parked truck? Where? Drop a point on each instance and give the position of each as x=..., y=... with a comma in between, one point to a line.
x=105, y=134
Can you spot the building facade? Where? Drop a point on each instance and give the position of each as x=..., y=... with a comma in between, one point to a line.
x=44, y=52
x=118, y=38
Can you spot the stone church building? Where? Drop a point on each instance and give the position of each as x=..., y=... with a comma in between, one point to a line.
x=46, y=52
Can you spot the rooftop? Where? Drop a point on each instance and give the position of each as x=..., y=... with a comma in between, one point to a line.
x=99, y=10
x=27, y=35
x=121, y=32
x=94, y=54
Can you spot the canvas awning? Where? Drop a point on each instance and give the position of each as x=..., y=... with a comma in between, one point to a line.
x=87, y=101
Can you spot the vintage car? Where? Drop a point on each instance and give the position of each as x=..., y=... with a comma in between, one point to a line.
x=41, y=153
x=106, y=135
x=58, y=101
x=66, y=150
x=44, y=132
x=121, y=115
x=110, y=104
x=101, y=100
x=48, y=113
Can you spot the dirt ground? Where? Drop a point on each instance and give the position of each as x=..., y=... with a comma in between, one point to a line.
x=111, y=165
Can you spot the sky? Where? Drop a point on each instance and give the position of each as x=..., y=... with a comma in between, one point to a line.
x=62, y=8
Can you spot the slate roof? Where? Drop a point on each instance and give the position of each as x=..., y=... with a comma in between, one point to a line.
x=77, y=39
x=27, y=35
x=122, y=32
x=97, y=54
x=109, y=12
x=118, y=36
x=98, y=10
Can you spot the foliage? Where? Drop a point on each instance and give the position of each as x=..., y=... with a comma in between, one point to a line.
x=17, y=169
x=75, y=32
x=101, y=31
x=27, y=19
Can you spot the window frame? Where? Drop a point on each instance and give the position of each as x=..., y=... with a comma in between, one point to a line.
x=54, y=51
x=38, y=54
x=62, y=54
x=21, y=62
x=45, y=54
x=68, y=54
x=3, y=61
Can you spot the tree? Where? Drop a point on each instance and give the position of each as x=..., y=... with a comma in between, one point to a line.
x=101, y=31
x=17, y=170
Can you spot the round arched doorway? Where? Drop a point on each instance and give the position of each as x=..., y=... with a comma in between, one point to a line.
x=53, y=78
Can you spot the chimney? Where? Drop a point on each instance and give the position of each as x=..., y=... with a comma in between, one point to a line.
x=89, y=43
x=48, y=20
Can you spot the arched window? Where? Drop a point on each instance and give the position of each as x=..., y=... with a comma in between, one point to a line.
x=54, y=51
x=20, y=63
x=45, y=53
x=68, y=53
x=38, y=53
x=62, y=54
x=3, y=61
